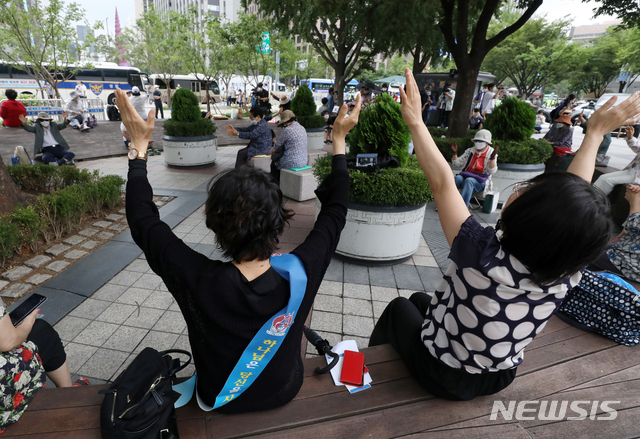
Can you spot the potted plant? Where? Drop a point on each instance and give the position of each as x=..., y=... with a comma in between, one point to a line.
x=386, y=207
x=188, y=137
x=520, y=157
x=304, y=107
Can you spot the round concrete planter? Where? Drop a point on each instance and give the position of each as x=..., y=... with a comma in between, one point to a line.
x=380, y=235
x=189, y=151
x=315, y=138
x=509, y=174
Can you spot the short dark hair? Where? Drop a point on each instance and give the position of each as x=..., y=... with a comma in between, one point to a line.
x=324, y=101
x=476, y=110
x=245, y=211
x=557, y=226
x=490, y=85
x=11, y=94
x=331, y=90
x=447, y=84
x=257, y=111
x=324, y=112
x=571, y=97
x=541, y=111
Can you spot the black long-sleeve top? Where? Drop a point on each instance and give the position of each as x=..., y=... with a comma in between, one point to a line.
x=222, y=309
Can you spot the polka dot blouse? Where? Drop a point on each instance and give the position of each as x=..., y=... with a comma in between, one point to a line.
x=487, y=309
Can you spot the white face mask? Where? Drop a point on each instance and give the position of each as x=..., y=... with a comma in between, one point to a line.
x=479, y=145
x=559, y=125
x=254, y=122
x=326, y=117
x=45, y=123
x=259, y=88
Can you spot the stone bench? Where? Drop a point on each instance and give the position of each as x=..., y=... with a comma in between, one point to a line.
x=260, y=162
x=313, y=156
x=298, y=185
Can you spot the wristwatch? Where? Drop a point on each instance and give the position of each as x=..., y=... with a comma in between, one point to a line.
x=135, y=154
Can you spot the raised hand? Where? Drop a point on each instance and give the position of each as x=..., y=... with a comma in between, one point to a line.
x=494, y=153
x=630, y=131
x=343, y=124
x=22, y=119
x=410, y=96
x=139, y=130
x=454, y=147
x=606, y=119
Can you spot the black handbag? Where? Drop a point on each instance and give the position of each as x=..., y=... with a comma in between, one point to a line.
x=139, y=403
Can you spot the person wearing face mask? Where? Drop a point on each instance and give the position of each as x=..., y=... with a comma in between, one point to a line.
x=262, y=97
x=478, y=164
x=290, y=149
x=489, y=100
x=258, y=133
x=446, y=104
x=426, y=99
x=48, y=140
x=77, y=111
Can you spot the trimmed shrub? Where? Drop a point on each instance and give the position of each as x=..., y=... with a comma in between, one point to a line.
x=44, y=178
x=439, y=132
x=527, y=152
x=444, y=145
x=304, y=107
x=105, y=192
x=9, y=238
x=30, y=225
x=513, y=120
x=406, y=186
x=186, y=117
x=380, y=130
x=62, y=209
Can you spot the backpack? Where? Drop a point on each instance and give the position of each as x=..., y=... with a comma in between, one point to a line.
x=92, y=122
x=113, y=113
x=599, y=304
x=139, y=404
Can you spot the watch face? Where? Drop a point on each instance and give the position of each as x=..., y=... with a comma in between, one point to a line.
x=133, y=154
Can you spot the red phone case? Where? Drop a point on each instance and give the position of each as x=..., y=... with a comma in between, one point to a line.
x=353, y=368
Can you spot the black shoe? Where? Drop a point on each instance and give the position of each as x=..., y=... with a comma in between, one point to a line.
x=61, y=162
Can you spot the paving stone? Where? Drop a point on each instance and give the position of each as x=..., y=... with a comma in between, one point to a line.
x=383, y=294
x=96, y=333
x=327, y=303
x=126, y=278
x=114, y=217
x=15, y=291
x=144, y=317
x=357, y=307
x=407, y=277
x=330, y=288
x=160, y=341
x=361, y=342
x=335, y=271
x=16, y=273
x=431, y=277
x=116, y=313
x=109, y=292
x=3, y=283
x=119, y=227
x=70, y=326
x=165, y=199
x=90, y=308
x=75, y=254
x=381, y=277
x=126, y=338
x=123, y=211
x=74, y=240
x=58, y=266
x=134, y=296
x=159, y=203
x=57, y=249
x=378, y=309
x=102, y=224
x=139, y=266
x=90, y=245
x=37, y=279
x=357, y=291
x=103, y=364
x=159, y=299
x=149, y=281
x=425, y=261
x=356, y=325
x=105, y=236
x=356, y=274
x=77, y=355
x=37, y=261
x=88, y=232
x=171, y=321
x=326, y=321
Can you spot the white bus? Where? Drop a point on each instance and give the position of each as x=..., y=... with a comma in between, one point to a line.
x=189, y=82
x=101, y=81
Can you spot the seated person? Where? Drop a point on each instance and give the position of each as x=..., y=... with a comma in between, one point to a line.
x=258, y=133
x=11, y=109
x=539, y=121
x=478, y=164
x=623, y=257
x=28, y=352
x=284, y=105
x=323, y=107
x=502, y=286
x=476, y=120
x=330, y=120
x=290, y=150
x=630, y=174
x=48, y=140
x=225, y=304
x=560, y=136
x=77, y=112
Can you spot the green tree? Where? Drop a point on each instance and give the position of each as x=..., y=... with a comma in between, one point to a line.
x=627, y=10
x=465, y=26
x=629, y=55
x=536, y=55
x=41, y=39
x=161, y=45
x=352, y=40
x=598, y=66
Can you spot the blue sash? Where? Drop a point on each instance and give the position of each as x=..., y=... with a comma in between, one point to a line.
x=265, y=343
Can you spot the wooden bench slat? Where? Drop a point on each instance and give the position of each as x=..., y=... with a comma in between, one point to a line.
x=631, y=373
x=56, y=420
x=500, y=431
x=624, y=426
x=558, y=336
x=93, y=433
x=67, y=397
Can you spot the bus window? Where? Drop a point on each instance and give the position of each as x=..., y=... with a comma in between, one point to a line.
x=5, y=71
x=213, y=86
x=19, y=73
x=115, y=75
x=145, y=79
x=135, y=81
x=184, y=83
x=89, y=75
x=195, y=86
x=163, y=86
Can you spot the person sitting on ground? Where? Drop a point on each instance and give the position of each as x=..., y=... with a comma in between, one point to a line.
x=478, y=163
x=540, y=119
x=560, y=136
x=476, y=120
x=630, y=174
x=11, y=109
x=226, y=303
x=77, y=113
x=138, y=101
x=290, y=150
x=258, y=133
x=623, y=256
x=323, y=107
x=28, y=352
x=502, y=286
x=284, y=105
x=48, y=140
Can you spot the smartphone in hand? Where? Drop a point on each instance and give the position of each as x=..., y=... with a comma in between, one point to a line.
x=27, y=307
